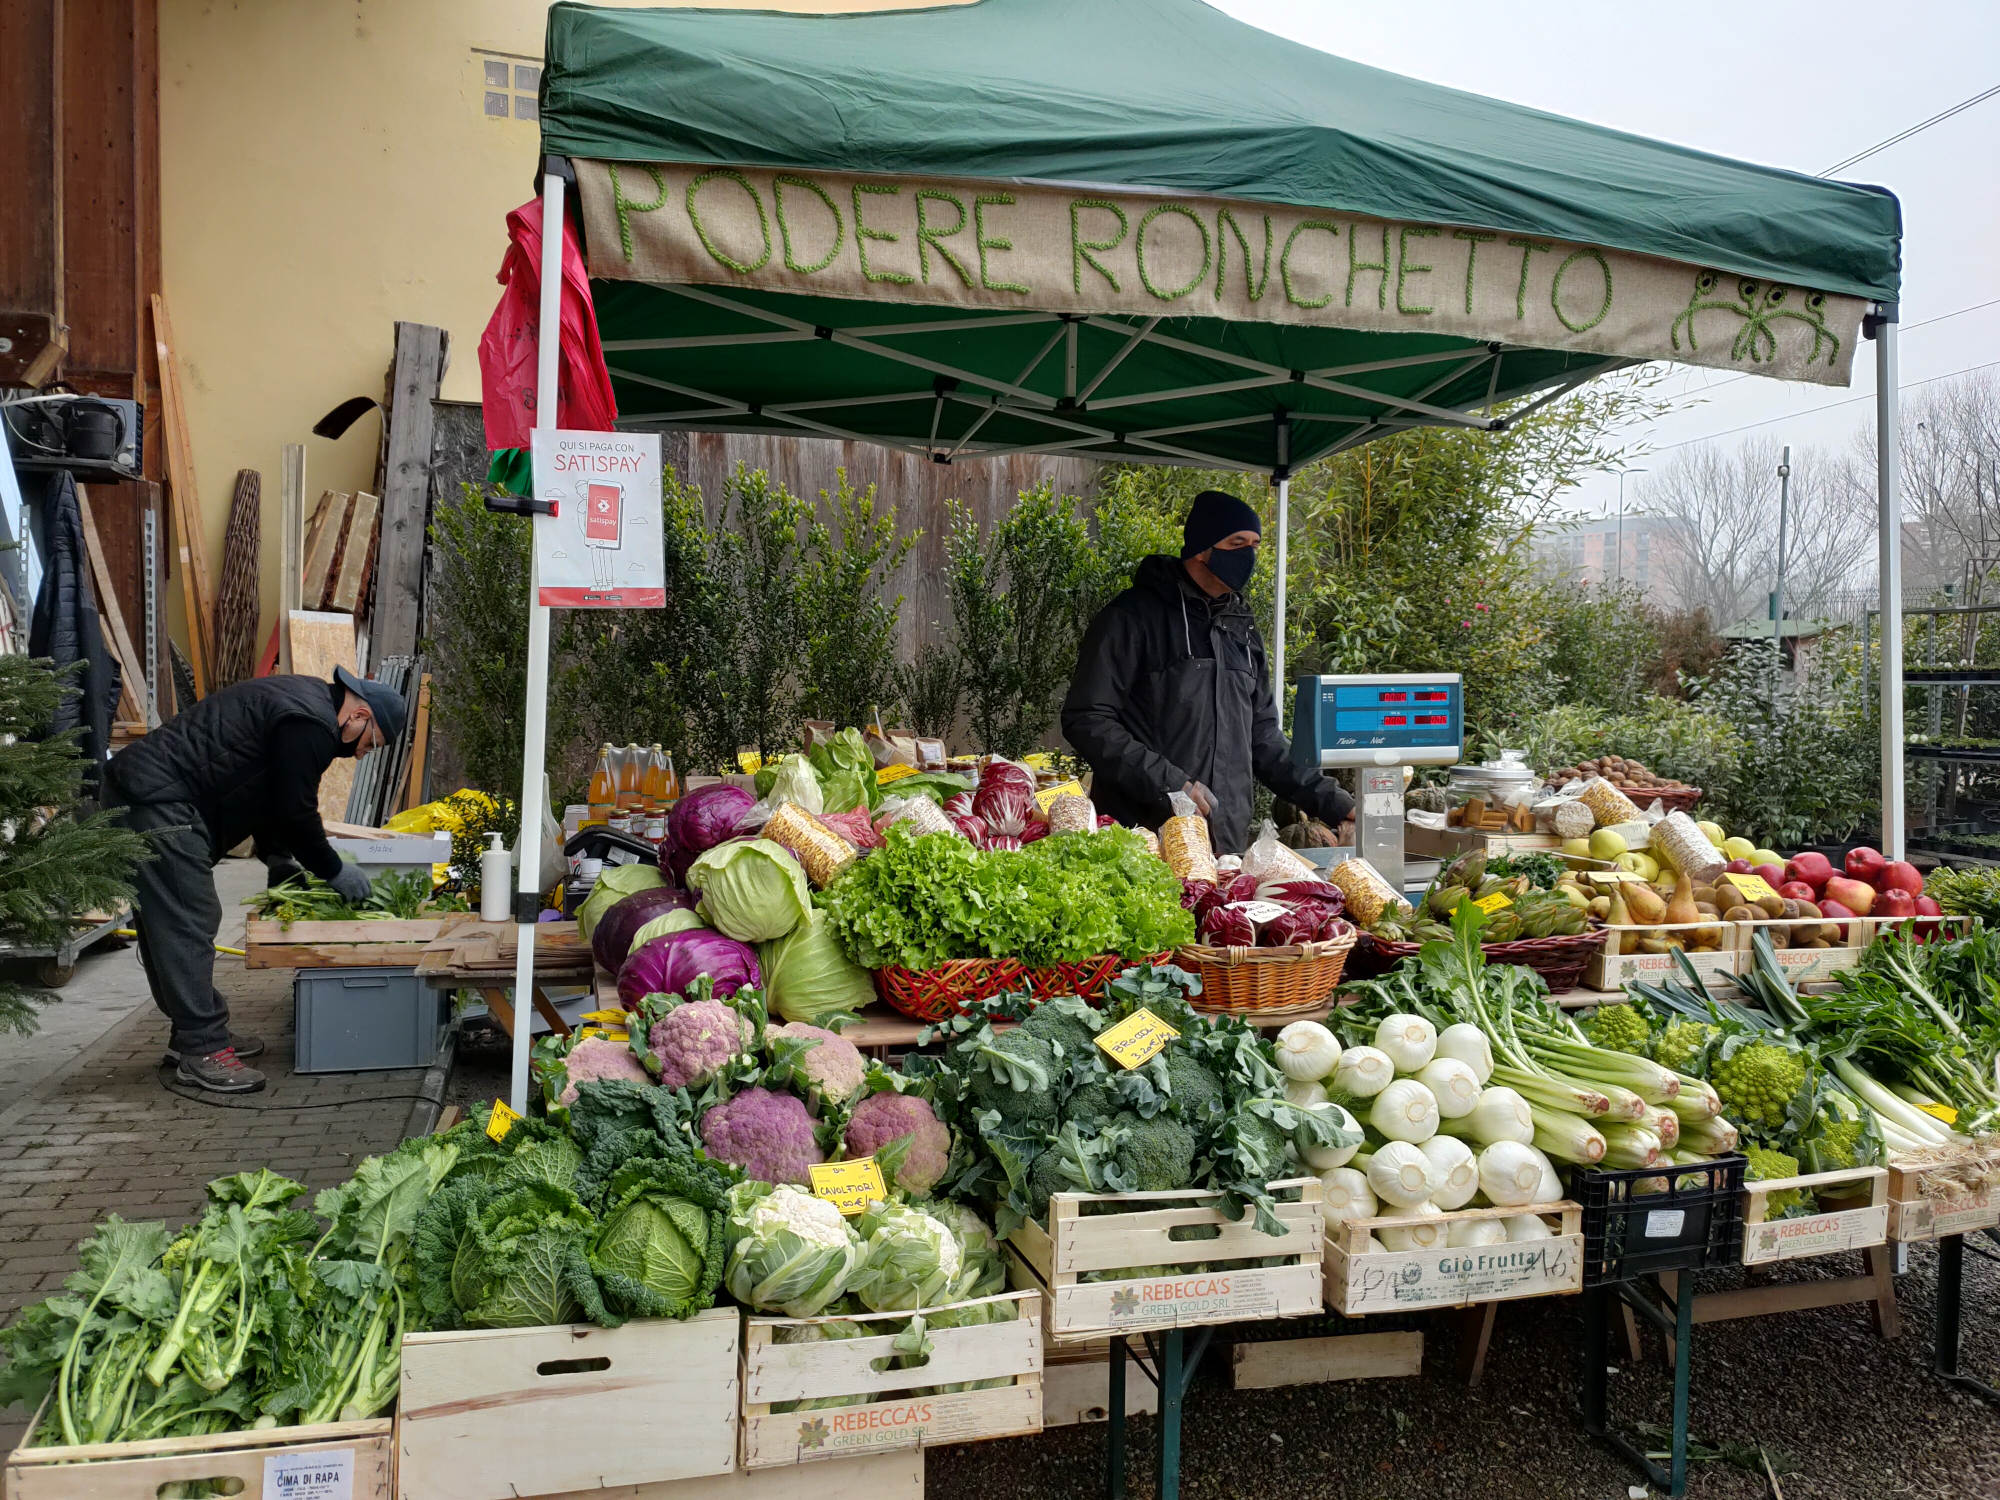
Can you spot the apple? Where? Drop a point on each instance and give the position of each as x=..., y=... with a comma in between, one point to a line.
x=1856, y=896
x=1737, y=867
x=1796, y=890
x=1772, y=875
x=1864, y=863
x=1900, y=875
x=1894, y=904
x=1833, y=910
x=1814, y=869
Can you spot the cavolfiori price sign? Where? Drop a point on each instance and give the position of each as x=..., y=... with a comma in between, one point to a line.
x=601, y=547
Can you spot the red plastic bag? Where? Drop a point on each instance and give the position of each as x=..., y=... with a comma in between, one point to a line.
x=507, y=350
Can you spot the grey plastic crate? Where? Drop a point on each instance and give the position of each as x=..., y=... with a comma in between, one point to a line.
x=362, y=1020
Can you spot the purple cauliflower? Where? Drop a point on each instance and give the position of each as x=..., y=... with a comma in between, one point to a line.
x=770, y=1136
x=596, y=1058
x=834, y=1067
x=693, y=1041
x=882, y=1118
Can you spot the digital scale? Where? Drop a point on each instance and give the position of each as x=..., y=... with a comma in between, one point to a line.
x=1379, y=723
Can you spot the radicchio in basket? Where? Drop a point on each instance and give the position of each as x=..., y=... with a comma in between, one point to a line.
x=1228, y=927
x=1005, y=798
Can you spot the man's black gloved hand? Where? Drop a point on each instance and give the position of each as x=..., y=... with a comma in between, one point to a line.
x=351, y=885
x=279, y=868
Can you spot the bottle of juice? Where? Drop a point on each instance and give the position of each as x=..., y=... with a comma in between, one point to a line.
x=629, y=770
x=603, y=794
x=670, y=781
x=653, y=784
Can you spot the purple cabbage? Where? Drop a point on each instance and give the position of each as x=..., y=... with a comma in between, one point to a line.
x=611, y=943
x=667, y=965
x=705, y=817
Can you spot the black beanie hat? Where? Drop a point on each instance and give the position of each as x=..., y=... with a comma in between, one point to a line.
x=1213, y=517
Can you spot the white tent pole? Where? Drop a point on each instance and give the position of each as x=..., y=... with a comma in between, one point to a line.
x=1278, y=614
x=1888, y=485
x=528, y=846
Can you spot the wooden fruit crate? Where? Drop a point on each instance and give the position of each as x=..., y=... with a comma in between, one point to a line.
x=1449, y=843
x=1360, y=1281
x=484, y=1414
x=1853, y=1225
x=900, y=1414
x=1152, y=1229
x=1620, y=961
x=391, y=942
x=357, y=1458
x=1938, y=1199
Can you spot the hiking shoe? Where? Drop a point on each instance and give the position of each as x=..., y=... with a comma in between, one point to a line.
x=219, y=1073
x=242, y=1046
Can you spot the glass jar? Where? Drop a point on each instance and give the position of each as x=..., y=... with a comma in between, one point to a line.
x=1496, y=796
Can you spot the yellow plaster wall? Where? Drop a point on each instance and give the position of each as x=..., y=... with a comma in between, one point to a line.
x=326, y=170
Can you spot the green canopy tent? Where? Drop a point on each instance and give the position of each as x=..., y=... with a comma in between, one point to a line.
x=1139, y=229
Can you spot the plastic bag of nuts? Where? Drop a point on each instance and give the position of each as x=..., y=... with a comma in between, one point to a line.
x=1184, y=841
x=1607, y=804
x=1070, y=813
x=820, y=851
x=1368, y=892
x=922, y=814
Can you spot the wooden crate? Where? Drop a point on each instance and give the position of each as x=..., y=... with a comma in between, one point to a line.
x=895, y=1475
x=1268, y=1363
x=391, y=942
x=1143, y=1232
x=899, y=1416
x=1938, y=1199
x=1449, y=843
x=358, y=1457
x=482, y=1412
x=1853, y=1226
x=1076, y=1385
x=1619, y=961
x=1805, y=965
x=1360, y=1281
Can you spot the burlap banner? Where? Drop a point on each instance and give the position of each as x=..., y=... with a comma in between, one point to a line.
x=1021, y=247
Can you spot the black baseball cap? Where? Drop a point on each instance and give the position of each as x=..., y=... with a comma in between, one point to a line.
x=383, y=701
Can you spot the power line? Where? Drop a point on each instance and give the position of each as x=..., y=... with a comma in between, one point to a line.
x=1903, y=135
x=1815, y=410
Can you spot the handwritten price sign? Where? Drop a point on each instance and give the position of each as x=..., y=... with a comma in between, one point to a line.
x=1136, y=1039
x=503, y=1120
x=849, y=1186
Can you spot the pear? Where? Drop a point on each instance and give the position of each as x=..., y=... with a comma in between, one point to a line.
x=1643, y=902
x=1681, y=910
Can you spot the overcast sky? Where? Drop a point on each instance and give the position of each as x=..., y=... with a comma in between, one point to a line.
x=1786, y=82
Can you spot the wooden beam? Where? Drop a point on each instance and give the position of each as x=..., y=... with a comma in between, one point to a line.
x=357, y=555
x=324, y=533
x=102, y=295
x=188, y=531
x=292, y=499
x=422, y=355
x=1268, y=1363
x=131, y=693
x=420, y=744
x=31, y=190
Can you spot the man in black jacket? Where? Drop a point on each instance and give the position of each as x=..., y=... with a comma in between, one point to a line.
x=1172, y=691
x=242, y=763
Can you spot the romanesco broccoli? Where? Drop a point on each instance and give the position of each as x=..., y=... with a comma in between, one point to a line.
x=1757, y=1082
x=1679, y=1045
x=1767, y=1165
x=1618, y=1028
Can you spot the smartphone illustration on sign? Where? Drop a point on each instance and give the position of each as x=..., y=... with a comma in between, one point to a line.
x=603, y=523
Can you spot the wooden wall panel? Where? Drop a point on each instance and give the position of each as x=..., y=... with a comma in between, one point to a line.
x=100, y=195
x=31, y=289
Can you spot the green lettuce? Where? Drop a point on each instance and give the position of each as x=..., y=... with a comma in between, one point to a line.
x=846, y=770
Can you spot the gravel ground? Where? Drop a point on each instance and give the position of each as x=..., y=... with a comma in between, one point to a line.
x=1849, y=1415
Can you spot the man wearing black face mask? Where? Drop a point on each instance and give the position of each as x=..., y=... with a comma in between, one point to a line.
x=1173, y=693
x=242, y=763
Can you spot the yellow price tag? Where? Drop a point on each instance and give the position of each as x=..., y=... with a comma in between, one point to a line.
x=605, y=1032
x=1491, y=904
x=1136, y=1039
x=1942, y=1112
x=604, y=1017
x=1751, y=887
x=1610, y=877
x=1046, y=798
x=894, y=773
x=849, y=1186
x=503, y=1120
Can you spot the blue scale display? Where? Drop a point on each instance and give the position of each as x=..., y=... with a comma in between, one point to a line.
x=1385, y=719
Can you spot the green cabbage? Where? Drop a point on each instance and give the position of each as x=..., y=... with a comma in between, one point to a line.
x=789, y=1252
x=981, y=1271
x=752, y=890
x=678, y=920
x=507, y=1252
x=659, y=1254
x=807, y=978
x=908, y=1259
x=614, y=885
x=846, y=768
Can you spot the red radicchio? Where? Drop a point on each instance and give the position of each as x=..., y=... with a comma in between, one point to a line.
x=973, y=827
x=667, y=965
x=1105, y=820
x=1004, y=842
x=1332, y=927
x=1005, y=797
x=958, y=805
x=854, y=827
x=1288, y=892
x=1289, y=929
x=1036, y=829
x=1227, y=927
x=1242, y=888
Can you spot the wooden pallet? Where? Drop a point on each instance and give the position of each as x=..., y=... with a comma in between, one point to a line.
x=256, y=1463
x=503, y=1413
x=899, y=1415
x=1142, y=1232
x=270, y=944
x=1360, y=1281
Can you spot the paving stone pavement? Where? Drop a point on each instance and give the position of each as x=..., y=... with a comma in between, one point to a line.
x=104, y=1135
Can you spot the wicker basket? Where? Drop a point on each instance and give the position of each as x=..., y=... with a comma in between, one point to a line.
x=1559, y=960
x=1682, y=800
x=1266, y=981
x=1087, y=978
x=940, y=993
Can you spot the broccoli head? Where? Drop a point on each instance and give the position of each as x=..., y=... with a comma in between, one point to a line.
x=1618, y=1028
x=1067, y=1022
x=1014, y=1073
x=1756, y=1083
x=1194, y=1093
x=1072, y=1163
x=1150, y=1156
x=1767, y=1165
x=1093, y=1101
x=1680, y=1044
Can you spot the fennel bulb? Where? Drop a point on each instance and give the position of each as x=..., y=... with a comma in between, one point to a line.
x=1469, y=1233
x=1405, y=1111
x=1429, y=1235
x=1306, y=1051
x=1324, y=1158
x=1501, y=1115
x=1410, y=1041
x=1454, y=1085
x=1346, y=1196
x=1362, y=1073
x=1454, y=1167
x=1466, y=1043
x=1400, y=1175
x=1510, y=1174
x=1304, y=1092
x=1527, y=1227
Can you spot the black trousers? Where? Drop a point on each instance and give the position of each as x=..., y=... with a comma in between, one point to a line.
x=179, y=915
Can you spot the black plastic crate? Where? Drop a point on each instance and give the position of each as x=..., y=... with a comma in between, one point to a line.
x=1696, y=1221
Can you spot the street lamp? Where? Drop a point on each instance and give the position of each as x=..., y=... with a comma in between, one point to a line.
x=1621, y=517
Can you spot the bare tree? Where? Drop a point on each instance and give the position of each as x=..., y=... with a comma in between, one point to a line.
x=1950, y=435
x=1720, y=509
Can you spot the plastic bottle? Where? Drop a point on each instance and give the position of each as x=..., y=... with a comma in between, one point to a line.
x=496, y=869
x=603, y=785
x=670, y=781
